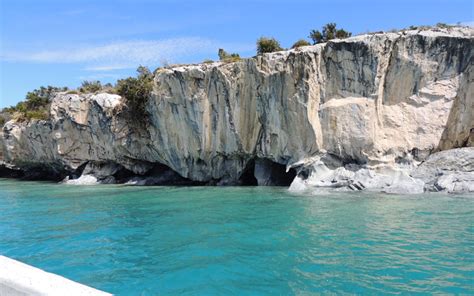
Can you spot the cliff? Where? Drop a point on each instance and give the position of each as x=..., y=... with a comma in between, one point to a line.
x=375, y=105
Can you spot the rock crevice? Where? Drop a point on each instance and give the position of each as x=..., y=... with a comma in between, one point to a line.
x=368, y=100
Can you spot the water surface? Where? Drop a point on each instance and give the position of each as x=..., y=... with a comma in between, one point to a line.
x=240, y=240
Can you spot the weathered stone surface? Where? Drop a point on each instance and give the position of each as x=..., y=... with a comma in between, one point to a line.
x=377, y=101
x=450, y=170
x=384, y=178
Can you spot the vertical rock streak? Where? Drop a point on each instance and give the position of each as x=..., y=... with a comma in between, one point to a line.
x=369, y=100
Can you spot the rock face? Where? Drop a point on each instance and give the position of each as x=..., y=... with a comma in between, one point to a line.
x=451, y=170
x=360, y=107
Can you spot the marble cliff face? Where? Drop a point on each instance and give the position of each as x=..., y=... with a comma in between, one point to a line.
x=359, y=113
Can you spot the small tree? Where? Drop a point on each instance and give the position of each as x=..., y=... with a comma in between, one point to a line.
x=316, y=36
x=300, y=43
x=342, y=34
x=137, y=91
x=330, y=32
x=222, y=54
x=265, y=45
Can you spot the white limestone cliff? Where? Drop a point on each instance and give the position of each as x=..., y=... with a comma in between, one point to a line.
x=371, y=106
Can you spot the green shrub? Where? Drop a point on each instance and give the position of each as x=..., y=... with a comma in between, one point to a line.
x=72, y=92
x=316, y=36
x=37, y=114
x=330, y=32
x=36, y=104
x=90, y=86
x=108, y=88
x=300, y=43
x=443, y=25
x=265, y=45
x=207, y=61
x=342, y=34
x=136, y=91
x=226, y=57
x=232, y=59
x=4, y=117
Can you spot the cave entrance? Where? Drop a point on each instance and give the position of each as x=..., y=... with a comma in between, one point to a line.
x=265, y=172
x=161, y=174
x=247, y=177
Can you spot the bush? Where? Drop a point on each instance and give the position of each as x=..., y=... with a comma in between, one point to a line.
x=443, y=25
x=300, y=43
x=226, y=57
x=37, y=114
x=342, y=34
x=4, y=117
x=316, y=36
x=265, y=45
x=207, y=61
x=35, y=105
x=136, y=91
x=329, y=32
x=108, y=88
x=90, y=86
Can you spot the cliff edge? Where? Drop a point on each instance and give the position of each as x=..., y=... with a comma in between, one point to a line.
x=359, y=113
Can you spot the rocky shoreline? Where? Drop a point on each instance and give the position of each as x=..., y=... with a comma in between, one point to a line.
x=390, y=112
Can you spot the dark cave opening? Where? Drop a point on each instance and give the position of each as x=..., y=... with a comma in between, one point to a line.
x=265, y=172
x=247, y=177
x=161, y=174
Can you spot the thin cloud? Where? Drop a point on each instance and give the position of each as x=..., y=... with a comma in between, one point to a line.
x=107, y=68
x=98, y=77
x=120, y=55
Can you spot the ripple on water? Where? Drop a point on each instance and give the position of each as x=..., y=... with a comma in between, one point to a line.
x=262, y=241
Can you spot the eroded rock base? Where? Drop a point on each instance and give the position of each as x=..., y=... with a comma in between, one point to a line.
x=447, y=171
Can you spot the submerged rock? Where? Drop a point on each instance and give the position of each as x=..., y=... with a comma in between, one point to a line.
x=377, y=105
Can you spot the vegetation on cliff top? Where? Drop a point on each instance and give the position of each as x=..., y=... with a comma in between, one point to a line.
x=300, y=43
x=268, y=44
x=137, y=90
x=329, y=32
x=35, y=105
x=224, y=56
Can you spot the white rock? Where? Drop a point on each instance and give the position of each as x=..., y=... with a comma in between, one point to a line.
x=83, y=180
x=450, y=170
x=370, y=100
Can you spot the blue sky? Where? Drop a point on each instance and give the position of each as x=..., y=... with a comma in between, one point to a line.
x=61, y=43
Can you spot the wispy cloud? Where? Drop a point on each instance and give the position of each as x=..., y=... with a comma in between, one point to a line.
x=98, y=76
x=126, y=54
x=106, y=67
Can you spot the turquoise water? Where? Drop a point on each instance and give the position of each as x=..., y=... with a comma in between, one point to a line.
x=239, y=241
